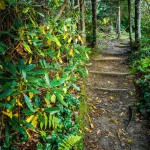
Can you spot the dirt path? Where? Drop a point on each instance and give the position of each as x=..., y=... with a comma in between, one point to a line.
x=112, y=103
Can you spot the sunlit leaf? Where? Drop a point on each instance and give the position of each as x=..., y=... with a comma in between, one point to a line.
x=27, y=47
x=29, y=102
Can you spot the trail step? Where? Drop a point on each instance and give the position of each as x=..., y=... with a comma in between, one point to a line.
x=110, y=89
x=109, y=73
x=109, y=59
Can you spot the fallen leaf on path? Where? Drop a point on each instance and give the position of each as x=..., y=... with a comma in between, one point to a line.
x=88, y=130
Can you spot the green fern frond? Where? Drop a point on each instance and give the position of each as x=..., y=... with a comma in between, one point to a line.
x=68, y=144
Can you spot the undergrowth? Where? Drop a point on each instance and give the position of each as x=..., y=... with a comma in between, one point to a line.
x=41, y=72
x=140, y=65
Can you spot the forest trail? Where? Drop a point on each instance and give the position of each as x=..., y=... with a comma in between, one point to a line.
x=115, y=122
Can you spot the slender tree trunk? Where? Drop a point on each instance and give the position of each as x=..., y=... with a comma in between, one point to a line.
x=137, y=23
x=118, y=26
x=82, y=21
x=130, y=22
x=94, y=23
x=61, y=10
x=76, y=3
x=111, y=17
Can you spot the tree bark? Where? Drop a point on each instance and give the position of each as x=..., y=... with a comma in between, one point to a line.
x=118, y=26
x=137, y=23
x=82, y=21
x=94, y=23
x=130, y=22
x=111, y=17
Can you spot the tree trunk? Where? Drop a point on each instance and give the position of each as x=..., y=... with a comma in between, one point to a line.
x=130, y=22
x=76, y=4
x=94, y=23
x=137, y=23
x=118, y=26
x=61, y=10
x=82, y=21
x=111, y=17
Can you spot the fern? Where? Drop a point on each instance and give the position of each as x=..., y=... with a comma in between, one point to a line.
x=69, y=143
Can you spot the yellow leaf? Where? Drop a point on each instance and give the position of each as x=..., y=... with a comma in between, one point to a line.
x=65, y=90
x=18, y=103
x=29, y=119
x=129, y=140
x=111, y=97
x=30, y=60
x=80, y=39
x=131, y=93
x=47, y=101
x=88, y=130
x=69, y=40
x=53, y=98
x=57, y=76
x=48, y=41
x=29, y=136
x=60, y=60
x=34, y=121
x=71, y=52
x=65, y=35
x=56, y=2
x=57, y=41
x=8, y=113
x=2, y=5
x=31, y=95
x=86, y=55
x=15, y=115
x=8, y=98
x=46, y=120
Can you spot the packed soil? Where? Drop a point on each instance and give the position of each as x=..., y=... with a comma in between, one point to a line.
x=115, y=122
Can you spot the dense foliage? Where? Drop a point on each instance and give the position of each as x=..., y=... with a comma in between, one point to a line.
x=140, y=64
x=40, y=76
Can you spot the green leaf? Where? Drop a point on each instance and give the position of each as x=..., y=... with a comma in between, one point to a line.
x=25, y=10
x=30, y=67
x=24, y=74
x=47, y=78
x=47, y=146
x=28, y=102
x=57, y=41
x=39, y=146
x=76, y=87
x=21, y=64
x=61, y=99
x=27, y=47
x=40, y=14
x=7, y=136
x=52, y=110
x=6, y=93
x=57, y=82
x=19, y=129
x=27, y=112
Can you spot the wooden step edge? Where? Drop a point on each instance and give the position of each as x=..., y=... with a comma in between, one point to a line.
x=110, y=73
x=109, y=59
x=110, y=89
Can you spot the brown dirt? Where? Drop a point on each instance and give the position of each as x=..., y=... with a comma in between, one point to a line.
x=109, y=110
